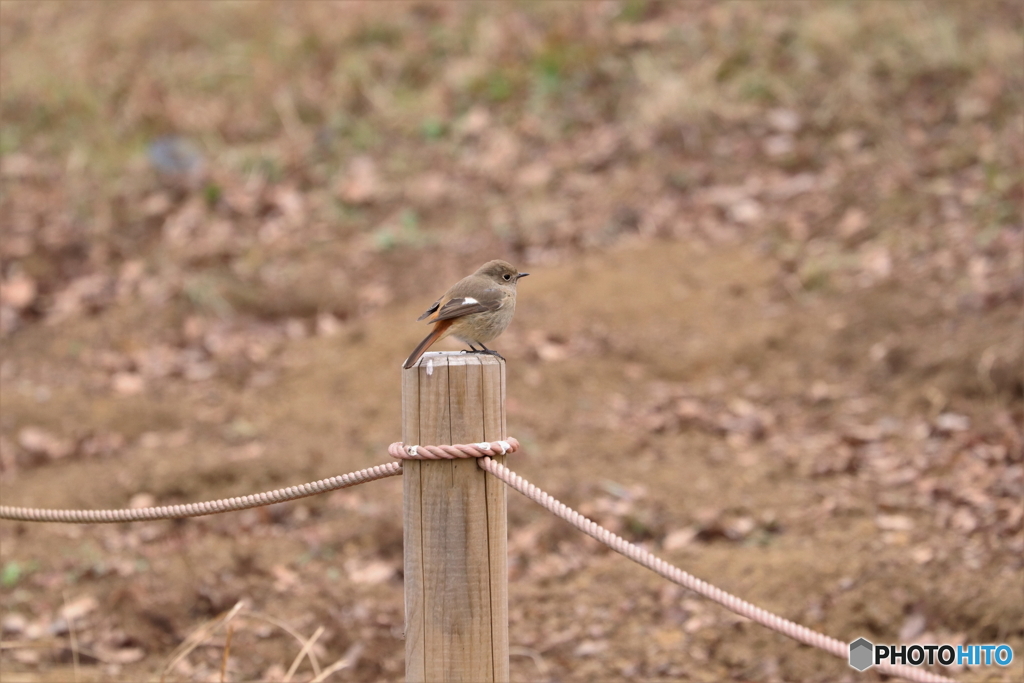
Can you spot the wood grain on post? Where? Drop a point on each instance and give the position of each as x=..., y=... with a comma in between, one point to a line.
x=456, y=574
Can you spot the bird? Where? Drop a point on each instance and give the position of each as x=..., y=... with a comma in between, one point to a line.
x=475, y=310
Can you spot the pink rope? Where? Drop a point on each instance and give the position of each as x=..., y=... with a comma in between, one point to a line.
x=480, y=451
x=676, y=575
x=460, y=450
x=209, y=507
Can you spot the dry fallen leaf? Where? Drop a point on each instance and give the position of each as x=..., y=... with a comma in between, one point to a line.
x=370, y=571
x=13, y=623
x=79, y=607
x=952, y=422
x=785, y=120
x=894, y=522
x=119, y=655
x=284, y=578
x=429, y=188
x=361, y=184
x=142, y=500
x=128, y=383
x=680, y=538
x=41, y=442
x=18, y=291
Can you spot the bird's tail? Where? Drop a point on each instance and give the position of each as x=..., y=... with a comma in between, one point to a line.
x=439, y=331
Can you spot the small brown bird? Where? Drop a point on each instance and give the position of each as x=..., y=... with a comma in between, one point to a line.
x=475, y=310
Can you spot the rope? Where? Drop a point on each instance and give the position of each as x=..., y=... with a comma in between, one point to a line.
x=21, y=514
x=397, y=450
x=460, y=450
x=676, y=575
x=481, y=451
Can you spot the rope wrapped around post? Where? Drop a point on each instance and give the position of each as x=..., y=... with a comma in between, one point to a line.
x=400, y=451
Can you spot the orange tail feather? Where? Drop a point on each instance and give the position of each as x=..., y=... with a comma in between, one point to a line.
x=439, y=331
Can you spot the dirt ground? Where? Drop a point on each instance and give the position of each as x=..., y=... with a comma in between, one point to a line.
x=773, y=329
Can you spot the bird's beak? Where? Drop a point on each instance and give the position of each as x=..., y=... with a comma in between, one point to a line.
x=519, y=275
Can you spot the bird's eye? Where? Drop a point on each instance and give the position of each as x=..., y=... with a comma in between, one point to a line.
x=507, y=276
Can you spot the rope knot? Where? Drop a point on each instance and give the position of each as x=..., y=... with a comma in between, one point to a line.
x=460, y=450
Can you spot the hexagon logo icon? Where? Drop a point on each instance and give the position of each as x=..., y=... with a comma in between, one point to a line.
x=860, y=654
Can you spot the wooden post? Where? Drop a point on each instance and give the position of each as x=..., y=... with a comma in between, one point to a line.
x=456, y=568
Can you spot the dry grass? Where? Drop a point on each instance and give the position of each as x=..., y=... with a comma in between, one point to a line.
x=781, y=238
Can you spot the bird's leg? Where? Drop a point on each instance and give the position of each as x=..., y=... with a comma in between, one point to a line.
x=482, y=349
x=488, y=351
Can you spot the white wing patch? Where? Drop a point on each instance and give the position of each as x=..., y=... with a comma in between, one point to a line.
x=469, y=300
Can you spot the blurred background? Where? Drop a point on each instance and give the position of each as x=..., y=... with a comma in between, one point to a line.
x=773, y=329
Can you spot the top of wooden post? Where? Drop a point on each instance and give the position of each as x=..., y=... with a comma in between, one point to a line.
x=456, y=358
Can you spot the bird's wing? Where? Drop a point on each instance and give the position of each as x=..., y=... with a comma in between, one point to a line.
x=426, y=313
x=473, y=294
x=467, y=305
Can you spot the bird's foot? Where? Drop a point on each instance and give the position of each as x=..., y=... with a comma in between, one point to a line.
x=489, y=352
